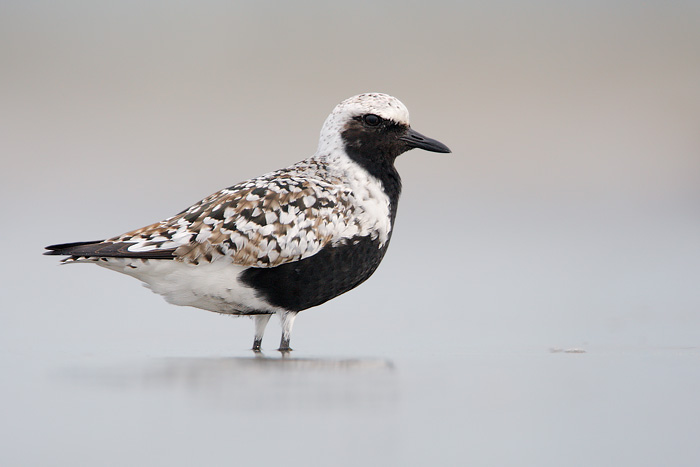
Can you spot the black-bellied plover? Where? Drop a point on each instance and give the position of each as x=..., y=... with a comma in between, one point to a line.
x=285, y=241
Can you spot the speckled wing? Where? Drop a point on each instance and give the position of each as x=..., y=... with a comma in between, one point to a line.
x=274, y=219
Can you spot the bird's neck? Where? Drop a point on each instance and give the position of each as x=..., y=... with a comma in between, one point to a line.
x=369, y=176
x=381, y=169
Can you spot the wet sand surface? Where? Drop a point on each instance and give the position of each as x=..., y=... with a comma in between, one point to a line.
x=507, y=407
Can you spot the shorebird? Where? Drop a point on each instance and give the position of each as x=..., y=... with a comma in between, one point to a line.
x=287, y=240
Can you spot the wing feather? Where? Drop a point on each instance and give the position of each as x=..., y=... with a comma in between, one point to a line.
x=268, y=221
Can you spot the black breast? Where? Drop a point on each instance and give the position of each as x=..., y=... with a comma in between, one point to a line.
x=314, y=280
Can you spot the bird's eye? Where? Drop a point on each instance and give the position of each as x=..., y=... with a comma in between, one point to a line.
x=372, y=120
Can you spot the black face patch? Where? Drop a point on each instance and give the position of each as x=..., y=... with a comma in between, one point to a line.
x=375, y=148
x=379, y=142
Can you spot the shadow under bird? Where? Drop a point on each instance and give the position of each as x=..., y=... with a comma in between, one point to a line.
x=285, y=241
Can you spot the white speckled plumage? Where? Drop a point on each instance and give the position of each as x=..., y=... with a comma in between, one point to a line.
x=330, y=144
x=283, y=216
x=230, y=252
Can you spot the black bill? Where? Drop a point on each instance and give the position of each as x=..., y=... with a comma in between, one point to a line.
x=416, y=140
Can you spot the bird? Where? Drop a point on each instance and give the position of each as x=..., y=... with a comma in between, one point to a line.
x=285, y=241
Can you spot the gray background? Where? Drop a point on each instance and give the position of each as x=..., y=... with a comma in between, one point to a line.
x=565, y=219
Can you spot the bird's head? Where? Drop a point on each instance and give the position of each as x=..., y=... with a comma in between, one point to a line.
x=373, y=127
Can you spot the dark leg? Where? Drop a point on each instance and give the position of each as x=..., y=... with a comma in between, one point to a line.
x=260, y=323
x=284, y=345
x=287, y=320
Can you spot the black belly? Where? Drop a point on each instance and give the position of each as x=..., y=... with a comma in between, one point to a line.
x=314, y=280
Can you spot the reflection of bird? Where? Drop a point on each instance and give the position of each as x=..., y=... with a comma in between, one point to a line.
x=285, y=241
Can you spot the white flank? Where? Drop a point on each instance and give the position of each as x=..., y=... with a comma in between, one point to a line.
x=210, y=286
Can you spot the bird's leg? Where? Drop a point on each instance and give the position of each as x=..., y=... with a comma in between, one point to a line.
x=287, y=321
x=260, y=323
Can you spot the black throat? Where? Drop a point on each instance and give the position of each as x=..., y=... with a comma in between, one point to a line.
x=375, y=150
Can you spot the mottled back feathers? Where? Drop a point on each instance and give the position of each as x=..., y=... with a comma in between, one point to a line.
x=277, y=218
